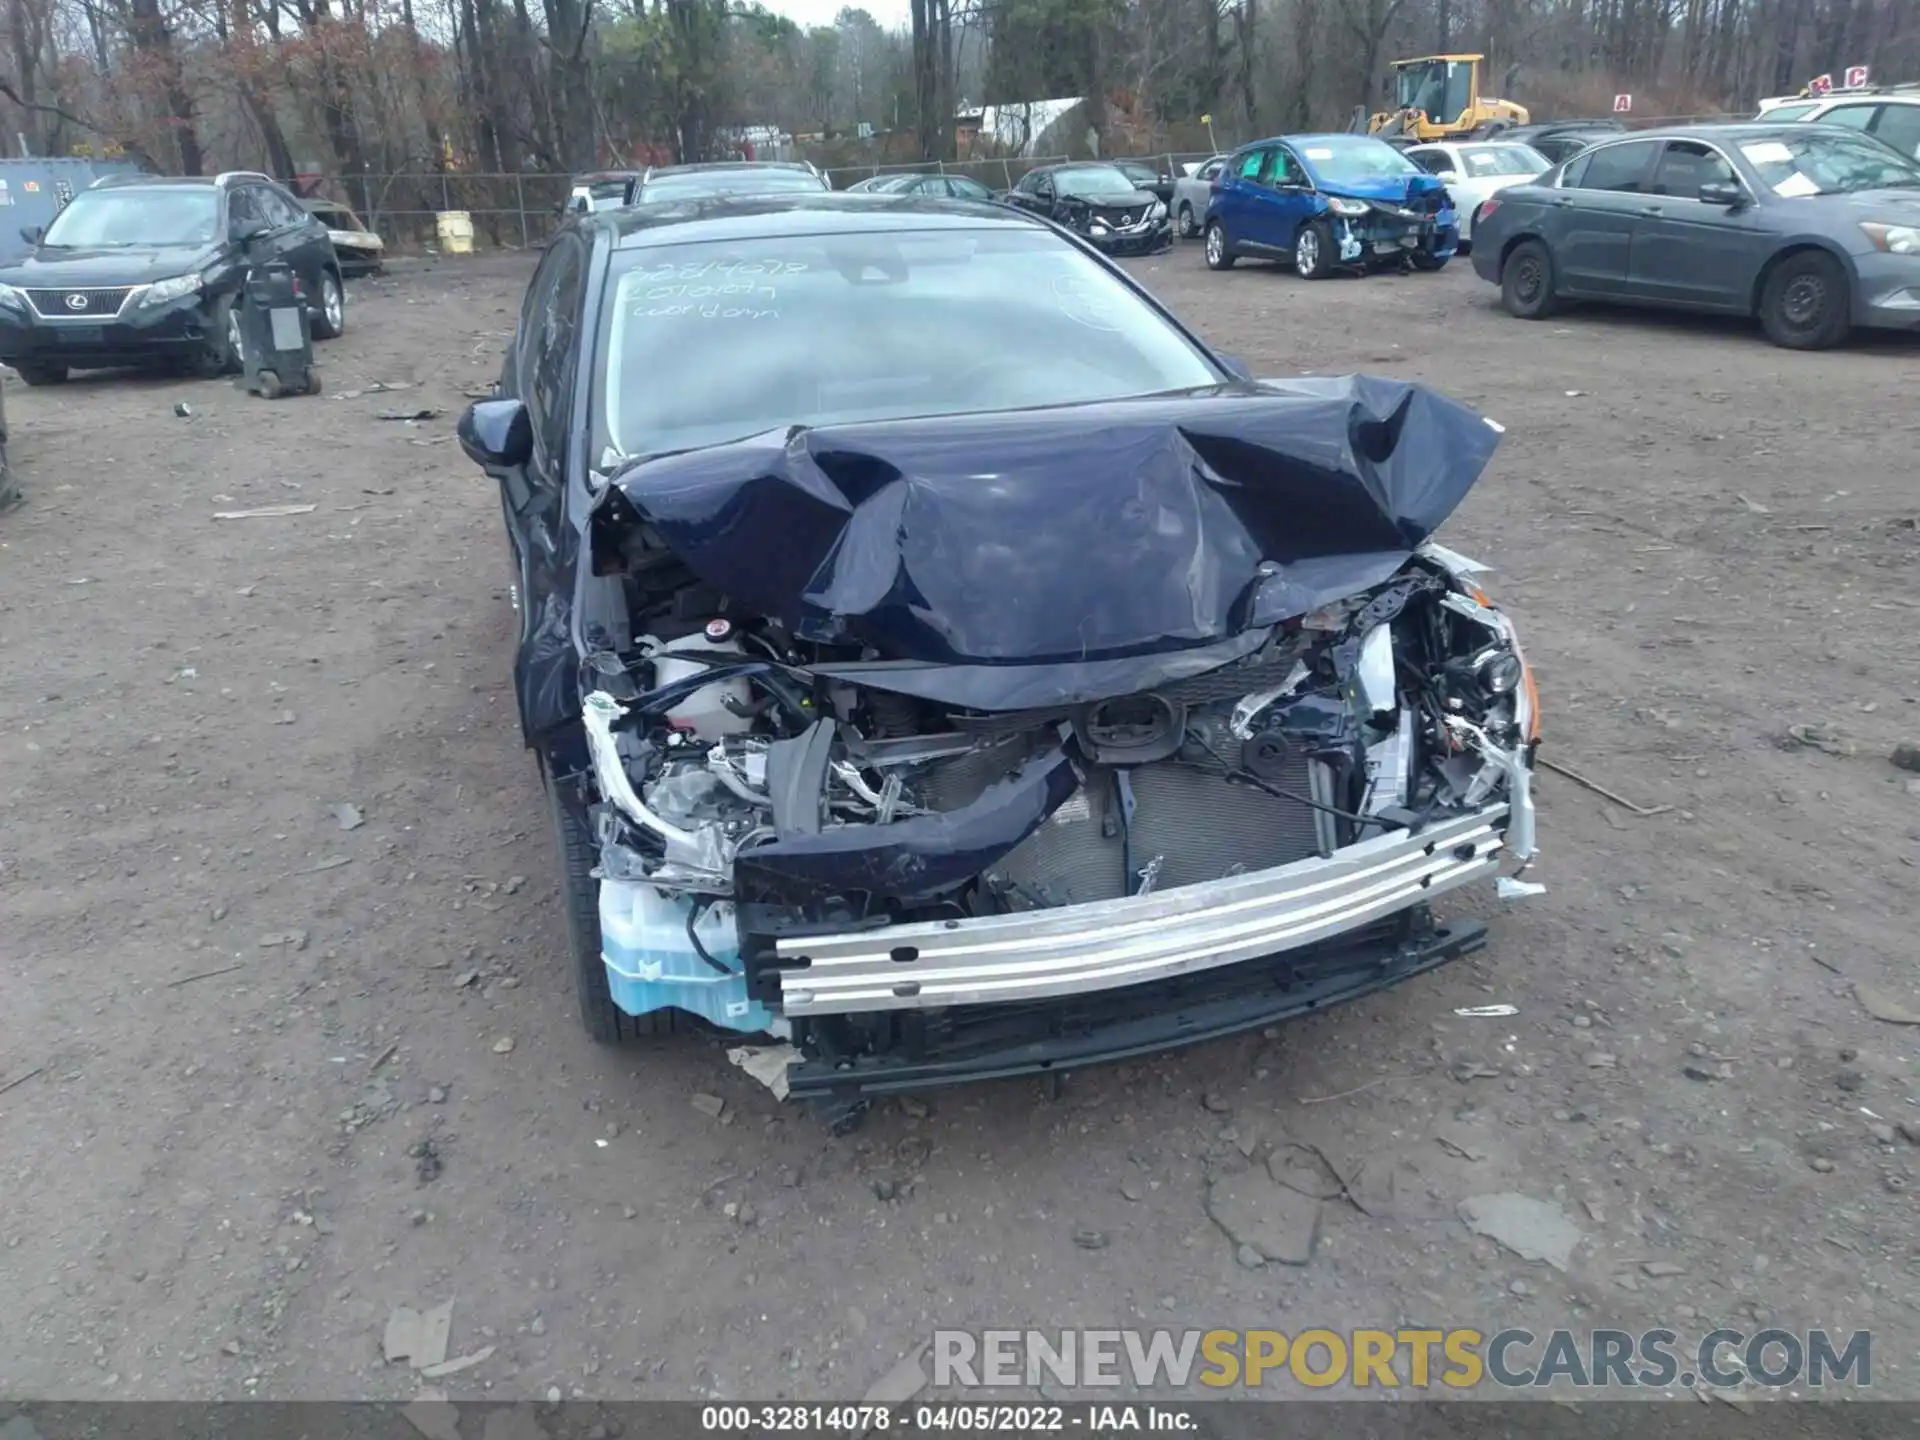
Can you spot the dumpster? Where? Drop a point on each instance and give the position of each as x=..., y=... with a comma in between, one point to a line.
x=34, y=190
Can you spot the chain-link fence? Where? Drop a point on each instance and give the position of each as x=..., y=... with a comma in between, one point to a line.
x=519, y=211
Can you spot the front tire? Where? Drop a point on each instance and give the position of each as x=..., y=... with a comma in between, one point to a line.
x=1313, y=251
x=1526, y=281
x=1220, y=254
x=605, y=1022
x=330, y=320
x=1807, y=302
x=1189, y=227
x=223, y=348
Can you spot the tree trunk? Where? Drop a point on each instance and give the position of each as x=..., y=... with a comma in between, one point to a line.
x=154, y=41
x=570, y=81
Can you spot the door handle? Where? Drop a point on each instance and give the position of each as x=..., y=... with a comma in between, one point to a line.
x=1651, y=210
x=1561, y=203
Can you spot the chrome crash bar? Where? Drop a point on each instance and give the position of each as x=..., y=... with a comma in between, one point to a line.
x=1077, y=949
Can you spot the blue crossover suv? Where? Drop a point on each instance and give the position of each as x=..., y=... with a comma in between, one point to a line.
x=1329, y=202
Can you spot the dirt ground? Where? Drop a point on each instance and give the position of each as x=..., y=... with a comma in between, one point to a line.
x=269, y=1077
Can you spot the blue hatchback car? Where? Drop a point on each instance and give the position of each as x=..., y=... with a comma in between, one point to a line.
x=1329, y=202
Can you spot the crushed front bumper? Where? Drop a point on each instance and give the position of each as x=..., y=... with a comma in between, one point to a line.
x=1146, y=238
x=1080, y=949
x=988, y=1042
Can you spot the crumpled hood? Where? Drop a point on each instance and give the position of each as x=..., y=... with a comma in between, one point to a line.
x=1394, y=189
x=107, y=266
x=1059, y=555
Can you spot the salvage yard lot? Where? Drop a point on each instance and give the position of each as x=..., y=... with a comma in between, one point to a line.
x=270, y=1077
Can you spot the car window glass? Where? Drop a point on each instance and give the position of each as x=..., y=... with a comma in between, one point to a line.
x=828, y=329
x=1431, y=161
x=1686, y=165
x=1211, y=169
x=1620, y=168
x=1287, y=170
x=1252, y=164
x=549, y=384
x=280, y=210
x=243, y=210
x=1900, y=127
x=1855, y=117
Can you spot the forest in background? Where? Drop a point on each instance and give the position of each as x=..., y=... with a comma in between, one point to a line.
x=382, y=87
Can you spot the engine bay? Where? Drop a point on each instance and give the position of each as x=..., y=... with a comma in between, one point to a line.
x=733, y=766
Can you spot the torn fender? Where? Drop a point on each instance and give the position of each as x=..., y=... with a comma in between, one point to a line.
x=1099, y=538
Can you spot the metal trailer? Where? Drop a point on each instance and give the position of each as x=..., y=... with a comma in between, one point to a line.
x=34, y=190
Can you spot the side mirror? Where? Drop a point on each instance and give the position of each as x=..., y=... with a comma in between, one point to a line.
x=496, y=434
x=1448, y=177
x=33, y=234
x=245, y=232
x=1730, y=196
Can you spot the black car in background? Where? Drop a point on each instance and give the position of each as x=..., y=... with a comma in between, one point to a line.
x=1812, y=229
x=140, y=270
x=1099, y=202
x=1150, y=178
x=1558, y=140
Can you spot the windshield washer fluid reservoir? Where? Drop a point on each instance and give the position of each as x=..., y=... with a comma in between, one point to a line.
x=704, y=713
x=647, y=945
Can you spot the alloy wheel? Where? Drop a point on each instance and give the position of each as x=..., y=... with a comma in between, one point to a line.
x=1306, y=252
x=332, y=302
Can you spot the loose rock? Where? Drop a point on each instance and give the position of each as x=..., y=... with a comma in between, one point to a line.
x=1531, y=1229
x=710, y=1106
x=1133, y=1190
x=1821, y=1164
x=1906, y=755
x=1279, y=1223
x=503, y=1046
x=1090, y=1239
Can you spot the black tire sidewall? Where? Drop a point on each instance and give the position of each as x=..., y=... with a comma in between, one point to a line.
x=1520, y=309
x=605, y=1022
x=1227, y=256
x=1836, y=319
x=1323, y=266
x=321, y=329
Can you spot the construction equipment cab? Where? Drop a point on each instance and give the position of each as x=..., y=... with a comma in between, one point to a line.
x=1438, y=98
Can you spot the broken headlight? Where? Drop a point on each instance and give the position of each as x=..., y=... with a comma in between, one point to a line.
x=1500, y=671
x=1340, y=205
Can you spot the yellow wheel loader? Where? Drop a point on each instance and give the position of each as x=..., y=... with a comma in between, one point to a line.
x=1437, y=97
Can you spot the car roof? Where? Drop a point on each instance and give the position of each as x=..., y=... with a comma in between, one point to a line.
x=828, y=212
x=1730, y=130
x=695, y=167
x=128, y=182
x=1859, y=97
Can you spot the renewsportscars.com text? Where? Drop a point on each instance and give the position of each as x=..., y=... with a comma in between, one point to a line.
x=1455, y=1359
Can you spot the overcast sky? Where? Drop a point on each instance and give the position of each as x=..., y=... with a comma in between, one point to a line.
x=892, y=14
